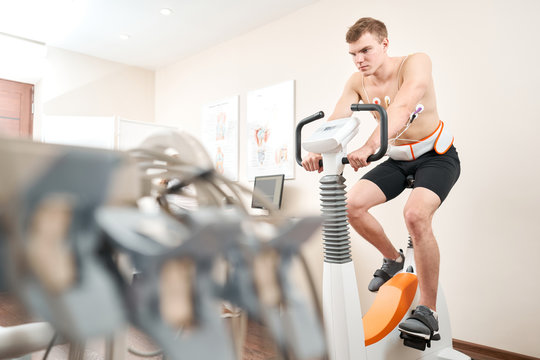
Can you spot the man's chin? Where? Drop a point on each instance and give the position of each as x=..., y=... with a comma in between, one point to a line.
x=365, y=72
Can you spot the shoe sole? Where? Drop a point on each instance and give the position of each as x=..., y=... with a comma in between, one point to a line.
x=436, y=335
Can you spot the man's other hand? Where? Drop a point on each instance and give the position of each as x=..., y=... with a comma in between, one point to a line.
x=358, y=158
x=311, y=162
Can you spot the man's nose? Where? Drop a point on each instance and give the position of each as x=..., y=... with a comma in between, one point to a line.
x=359, y=58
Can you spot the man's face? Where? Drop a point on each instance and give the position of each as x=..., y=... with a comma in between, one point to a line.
x=368, y=53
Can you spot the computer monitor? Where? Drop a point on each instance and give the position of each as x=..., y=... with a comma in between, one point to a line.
x=271, y=187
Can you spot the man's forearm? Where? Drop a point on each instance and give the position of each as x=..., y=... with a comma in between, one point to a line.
x=374, y=141
x=397, y=119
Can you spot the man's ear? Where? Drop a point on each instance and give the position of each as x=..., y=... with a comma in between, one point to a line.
x=385, y=44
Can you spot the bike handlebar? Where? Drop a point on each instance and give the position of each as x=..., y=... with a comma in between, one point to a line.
x=299, y=127
x=354, y=107
x=383, y=128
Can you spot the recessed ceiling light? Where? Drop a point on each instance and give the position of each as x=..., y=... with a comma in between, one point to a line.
x=165, y=11
x=124, y=36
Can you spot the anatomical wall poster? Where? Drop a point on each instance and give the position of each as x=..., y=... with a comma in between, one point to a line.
x=270, y=131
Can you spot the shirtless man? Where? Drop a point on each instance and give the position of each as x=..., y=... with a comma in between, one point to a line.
x=420, y=145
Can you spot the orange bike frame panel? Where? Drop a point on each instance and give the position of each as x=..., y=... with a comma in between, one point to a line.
x=390, y=306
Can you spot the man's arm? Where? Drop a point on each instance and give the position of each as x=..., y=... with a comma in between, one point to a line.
x=348, y=97
x=342, y=110
x=416, y=79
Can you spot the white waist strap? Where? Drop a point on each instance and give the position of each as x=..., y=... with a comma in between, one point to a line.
x=440, y=140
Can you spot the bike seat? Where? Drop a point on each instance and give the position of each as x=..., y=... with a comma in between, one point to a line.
x=390, y=306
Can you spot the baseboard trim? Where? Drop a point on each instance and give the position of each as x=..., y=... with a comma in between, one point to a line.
x=481, y=352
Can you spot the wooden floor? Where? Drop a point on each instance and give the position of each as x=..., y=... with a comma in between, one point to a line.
x=258, y=345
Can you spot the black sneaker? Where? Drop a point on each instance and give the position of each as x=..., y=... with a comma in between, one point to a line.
x=423, y=323
x=388, y=269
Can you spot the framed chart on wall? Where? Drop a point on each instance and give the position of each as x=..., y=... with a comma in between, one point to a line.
x=270, y=131
x=220, y=135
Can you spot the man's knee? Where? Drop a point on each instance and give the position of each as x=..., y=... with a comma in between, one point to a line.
x=356, y=208
x=417, y=219
x=363, y=196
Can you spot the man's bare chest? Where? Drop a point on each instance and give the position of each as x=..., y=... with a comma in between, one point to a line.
x=382, y=94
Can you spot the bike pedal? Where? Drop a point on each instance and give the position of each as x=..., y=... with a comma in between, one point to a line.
x=415, y=342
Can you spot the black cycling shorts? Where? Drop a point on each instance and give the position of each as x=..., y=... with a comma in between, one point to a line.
x=435, y=172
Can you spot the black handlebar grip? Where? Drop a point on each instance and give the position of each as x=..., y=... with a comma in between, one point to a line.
x=383, y=129
x=298, y=138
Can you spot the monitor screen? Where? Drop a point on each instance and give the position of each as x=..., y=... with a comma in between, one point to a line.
x=271, y=187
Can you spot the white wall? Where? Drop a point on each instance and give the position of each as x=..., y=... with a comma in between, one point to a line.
x=486, y=75
x=80, y=85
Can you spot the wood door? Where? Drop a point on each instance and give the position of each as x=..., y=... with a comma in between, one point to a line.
x=16, y=115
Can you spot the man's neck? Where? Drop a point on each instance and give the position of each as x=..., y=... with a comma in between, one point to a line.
x=385, y=72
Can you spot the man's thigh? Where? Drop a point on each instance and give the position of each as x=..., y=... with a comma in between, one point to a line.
x=389, y=178
x=364, y=195
x=439, y=173
x=424, y=202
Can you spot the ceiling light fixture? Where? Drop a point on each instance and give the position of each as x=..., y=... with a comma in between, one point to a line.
x=165, y=12
x=124, y=36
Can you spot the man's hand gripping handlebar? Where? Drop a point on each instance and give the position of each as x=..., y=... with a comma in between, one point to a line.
x=314, y=161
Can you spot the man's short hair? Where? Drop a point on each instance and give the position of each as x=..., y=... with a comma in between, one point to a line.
x=366, y=25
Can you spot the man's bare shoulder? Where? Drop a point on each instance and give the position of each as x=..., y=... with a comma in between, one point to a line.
x=417, y=60
x=355, y=81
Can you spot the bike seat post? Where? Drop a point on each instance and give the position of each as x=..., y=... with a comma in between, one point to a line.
x=410, y=181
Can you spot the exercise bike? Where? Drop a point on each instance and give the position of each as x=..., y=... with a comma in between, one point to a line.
x=375, y=336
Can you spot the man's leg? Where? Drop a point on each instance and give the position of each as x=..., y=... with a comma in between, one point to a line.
x=434, y=179
x=363, y=196
x=418, y=212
